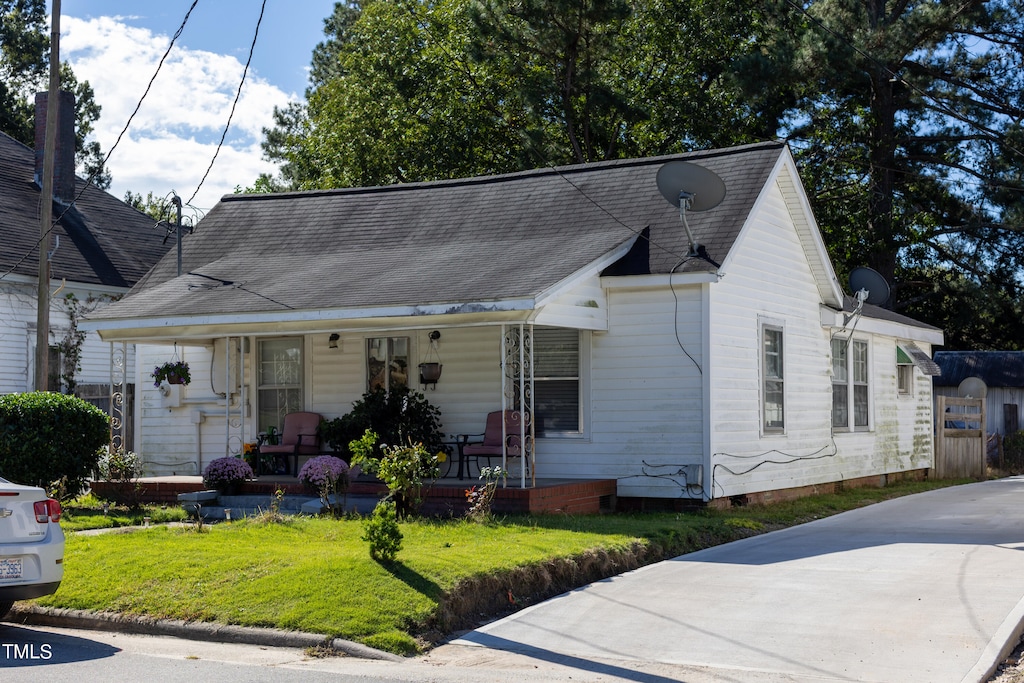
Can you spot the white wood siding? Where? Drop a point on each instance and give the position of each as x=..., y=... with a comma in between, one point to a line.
x=767, y=281
x=585, y=307
x=18, y=337
x=646, y=401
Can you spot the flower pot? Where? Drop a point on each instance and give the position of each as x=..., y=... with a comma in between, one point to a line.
x=430, y=372
x=174, y=379
x=232, y=488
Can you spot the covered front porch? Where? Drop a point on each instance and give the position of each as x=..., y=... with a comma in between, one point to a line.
x=244, y=385
x=445, y=497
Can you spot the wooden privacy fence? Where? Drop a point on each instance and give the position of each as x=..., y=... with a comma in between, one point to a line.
x=960, y=438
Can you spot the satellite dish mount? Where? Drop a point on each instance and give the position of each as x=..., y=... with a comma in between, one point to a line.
x=691, y=188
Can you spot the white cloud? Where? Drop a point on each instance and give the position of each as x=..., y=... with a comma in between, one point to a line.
x=174, y=135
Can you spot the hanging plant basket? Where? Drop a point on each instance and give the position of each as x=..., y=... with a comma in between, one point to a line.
x=430, y=372
x=174, y=372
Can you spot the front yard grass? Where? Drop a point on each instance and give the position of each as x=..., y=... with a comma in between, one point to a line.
x=316, y=575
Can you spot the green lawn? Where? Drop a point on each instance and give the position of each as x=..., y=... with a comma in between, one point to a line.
x=316, y=574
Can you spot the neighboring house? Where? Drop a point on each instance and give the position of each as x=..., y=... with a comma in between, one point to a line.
x=568, y=293
x=1003, y=375
x=100, y=247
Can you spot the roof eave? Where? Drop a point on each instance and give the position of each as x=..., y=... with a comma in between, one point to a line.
x=179, y=328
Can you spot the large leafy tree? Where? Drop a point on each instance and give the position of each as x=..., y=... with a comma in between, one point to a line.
x=904, y=115
x=24, y=59
x=408, y=90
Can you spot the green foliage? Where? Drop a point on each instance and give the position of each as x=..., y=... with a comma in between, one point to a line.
x=403, y=469
x=1013, y=452
x=409, y=90
x=122, y=468
x=480, y=499
x=46, y=436
x=381, y=531
x=24, y=71
x=400, y=416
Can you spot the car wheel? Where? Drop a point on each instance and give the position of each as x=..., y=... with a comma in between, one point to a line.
x=5, y=607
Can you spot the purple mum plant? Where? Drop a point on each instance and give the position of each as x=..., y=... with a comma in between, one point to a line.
x=222, y=472
x=324, y=473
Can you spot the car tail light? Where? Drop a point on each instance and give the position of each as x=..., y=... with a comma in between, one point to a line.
x=47, y=511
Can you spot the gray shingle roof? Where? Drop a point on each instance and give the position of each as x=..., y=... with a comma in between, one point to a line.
x=473, y=240
x=102, y=239
x=996, y=368
x=879, y=313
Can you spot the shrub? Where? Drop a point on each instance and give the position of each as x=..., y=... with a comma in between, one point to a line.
x=403, y=469
x=399, y=417
x=381, y=531
x=46, y=436
x=224, y=473
x=1013, y=452
x=481, y=499
x=122, y=469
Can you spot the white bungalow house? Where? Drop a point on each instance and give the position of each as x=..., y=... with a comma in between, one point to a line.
x=99, y=248
x=570, y=294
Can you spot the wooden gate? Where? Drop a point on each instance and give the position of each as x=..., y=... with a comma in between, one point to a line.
x=960, y=438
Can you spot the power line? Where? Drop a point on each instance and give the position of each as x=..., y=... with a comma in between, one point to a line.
x=234, y=104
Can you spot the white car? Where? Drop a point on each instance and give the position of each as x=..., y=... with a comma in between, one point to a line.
x=31, y=544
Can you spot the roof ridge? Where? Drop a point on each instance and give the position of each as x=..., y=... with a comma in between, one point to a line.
x=541, y=172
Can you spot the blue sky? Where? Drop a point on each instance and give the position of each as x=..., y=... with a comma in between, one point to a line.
x=116, y=45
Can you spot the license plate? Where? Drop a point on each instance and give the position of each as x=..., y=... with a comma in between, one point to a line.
x=10, y=568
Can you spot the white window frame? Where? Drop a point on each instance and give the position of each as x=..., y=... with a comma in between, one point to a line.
x=855, y=382
x=257, y=360
x=905, y=379
x=582, y=355
x=386, y=376
x=770, y=328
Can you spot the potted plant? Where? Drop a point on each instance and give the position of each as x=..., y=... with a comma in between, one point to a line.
x=226, y=474
x=173, y=372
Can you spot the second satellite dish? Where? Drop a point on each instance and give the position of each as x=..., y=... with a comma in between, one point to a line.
x=972, y=387
x=868, y=285
x=691, y=188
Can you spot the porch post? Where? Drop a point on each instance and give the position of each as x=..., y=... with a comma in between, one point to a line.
x=517, y=395
x=118, y=425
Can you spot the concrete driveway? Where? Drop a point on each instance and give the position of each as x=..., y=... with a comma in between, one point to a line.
x=924, y=588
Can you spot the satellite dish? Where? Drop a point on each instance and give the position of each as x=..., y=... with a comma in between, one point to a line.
x=691, y=188
x=868, y=285
x=972, y=387
x=680, y=180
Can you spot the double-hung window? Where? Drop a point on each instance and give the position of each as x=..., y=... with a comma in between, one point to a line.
x=850, y=385
x=279, y=380
x=773, y=375
x=556, y=380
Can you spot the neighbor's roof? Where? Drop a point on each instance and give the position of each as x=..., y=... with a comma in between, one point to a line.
x=996, y=368
x=102, y=240
x=451, y=243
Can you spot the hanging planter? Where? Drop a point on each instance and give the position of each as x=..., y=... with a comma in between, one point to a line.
x=430, y=372
x=173, y=372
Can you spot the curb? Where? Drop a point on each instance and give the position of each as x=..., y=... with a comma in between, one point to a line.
x=190, y=630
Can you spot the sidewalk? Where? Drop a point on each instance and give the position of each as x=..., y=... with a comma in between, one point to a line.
x=925, y=588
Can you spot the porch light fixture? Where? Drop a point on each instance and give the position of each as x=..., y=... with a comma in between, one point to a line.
x=430, y=370
x=332, y=341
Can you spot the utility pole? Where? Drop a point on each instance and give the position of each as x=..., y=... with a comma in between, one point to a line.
x=46, y=206
x=176, y=200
